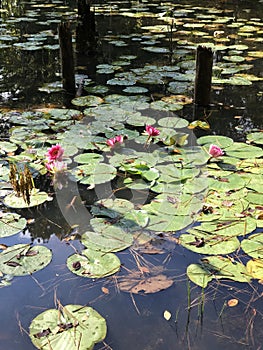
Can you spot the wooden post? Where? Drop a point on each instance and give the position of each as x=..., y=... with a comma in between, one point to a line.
x=203, y=78
x=66, y=56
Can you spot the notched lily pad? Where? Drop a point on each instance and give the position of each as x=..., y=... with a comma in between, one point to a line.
x=217, y=267
x=24, y=259
x=36, y=198
x=73, y=327
x=93, y=264
x=11, y=223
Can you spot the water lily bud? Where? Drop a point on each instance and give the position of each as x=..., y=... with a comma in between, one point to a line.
x=151, y=131
x=215, y=151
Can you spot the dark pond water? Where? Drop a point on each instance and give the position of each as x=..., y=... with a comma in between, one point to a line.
x=29, y=61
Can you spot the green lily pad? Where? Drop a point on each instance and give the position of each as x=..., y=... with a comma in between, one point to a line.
x=253, y=245
x=184, y=204
x=199, y=275
x=135, y=90
x=255, y=268
x=36, y=198
x=77, y=327
x=63, y=114
x=255, y=198
x=88, y=101
x=167, y=223
x=94, y=173
x=165, y=106
x=88, y=158
x=208, y=244
x=98, y=89
x=221, y=141
x=10, y=224
x=93, y=264
x=227, y=183
x=230, y=228
x=111, y=239
x=24, y=259
x=219, y=268
x=173, y=122
x=6, y=147
x=242, y=151
x=255, y=137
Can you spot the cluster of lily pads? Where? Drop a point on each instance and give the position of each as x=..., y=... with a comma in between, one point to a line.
x=205, y=194
x=213, y=193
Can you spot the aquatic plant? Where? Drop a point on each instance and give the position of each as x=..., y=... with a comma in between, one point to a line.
x=215, y=151
x=114, y=140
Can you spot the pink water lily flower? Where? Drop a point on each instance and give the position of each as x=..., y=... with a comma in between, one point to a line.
x=117, y=139
x=215, y=151
x=55, y=153
x=152, y=131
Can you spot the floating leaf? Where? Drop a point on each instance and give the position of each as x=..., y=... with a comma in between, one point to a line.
x=221, y=141
x=253, y=245
x=22, y=259
x=112, y=239
x=242, y=151
x=36, y=198
x=167, y=315
x=10, y=224
x=232, y=302
x=173, y=122
x=199, y=275
x=88, y=101
x=210, y=244
x=6, y=147
x=137, y=283
x=219, y=268
x=77, y=327
x=94, y=264
x=95, y=174
x=255, y=268
x=256, y=137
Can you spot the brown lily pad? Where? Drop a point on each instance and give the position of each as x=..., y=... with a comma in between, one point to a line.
x=137, y=283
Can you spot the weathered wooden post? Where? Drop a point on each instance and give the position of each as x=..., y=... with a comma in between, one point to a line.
x=67, y=57
x=203, y=78
x=86, y=35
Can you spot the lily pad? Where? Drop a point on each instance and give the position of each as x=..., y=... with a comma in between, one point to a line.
x=6, y=147
x=242, y=151
x=173, y=122
x=24, y=259
x=94, y=174
x=77, y=327
x=217, y=267
x=88, y=101
x=255, y=137
x=93, y=264
x=253, y=245
x=10, y=224
x=221, y=141
x=137, y=283
x=255, y=268
x=209, y=244
x=36, y=198
x=112, y=239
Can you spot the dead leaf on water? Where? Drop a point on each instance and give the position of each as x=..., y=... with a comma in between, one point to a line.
x=105, y=290
x=167, y=315
x=232, y=302
x=137, y=283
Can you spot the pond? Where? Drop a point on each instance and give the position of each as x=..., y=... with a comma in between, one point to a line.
x=126, y=201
